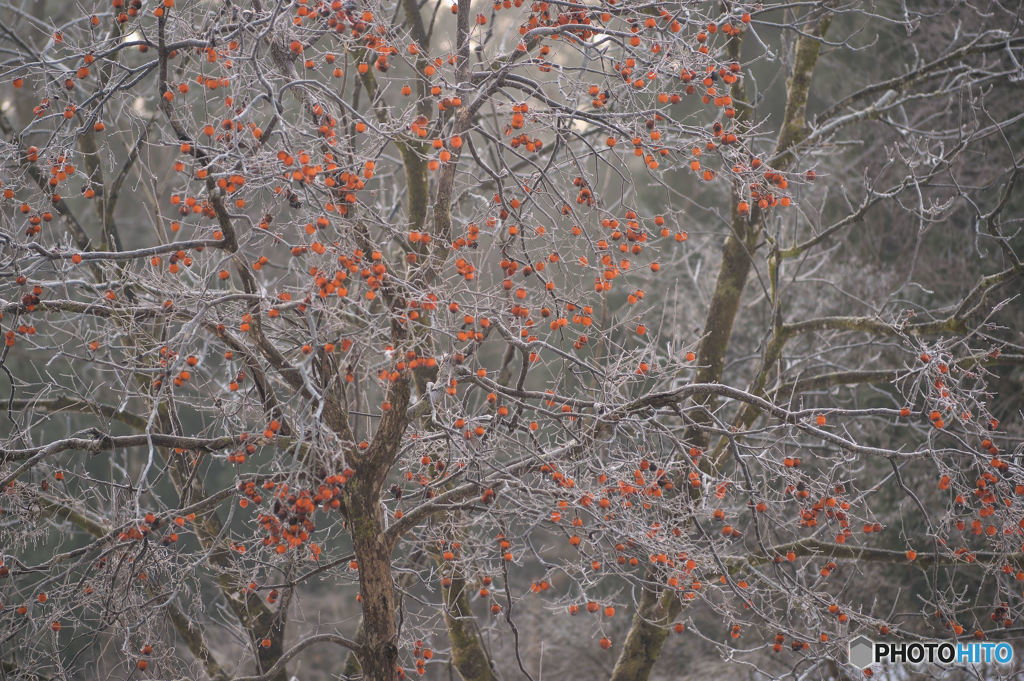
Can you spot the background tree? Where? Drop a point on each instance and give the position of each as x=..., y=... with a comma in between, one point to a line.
x=366, y=340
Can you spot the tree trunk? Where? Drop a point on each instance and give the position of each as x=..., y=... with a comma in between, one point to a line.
x=468, y=652
x=379, y=655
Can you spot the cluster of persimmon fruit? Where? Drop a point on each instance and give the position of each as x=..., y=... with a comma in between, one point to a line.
x=151, y=523
x=28, y=304
x=573, y=12
x=995, y=492
x=143, y=664
x=289, y=523
x=126, y=9
x=422, y=655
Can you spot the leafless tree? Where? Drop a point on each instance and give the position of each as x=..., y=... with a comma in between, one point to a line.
x=393, y=329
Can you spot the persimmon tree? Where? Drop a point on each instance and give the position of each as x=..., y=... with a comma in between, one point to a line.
x=689, y=319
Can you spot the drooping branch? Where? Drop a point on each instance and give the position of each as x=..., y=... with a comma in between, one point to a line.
x=297, y=648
